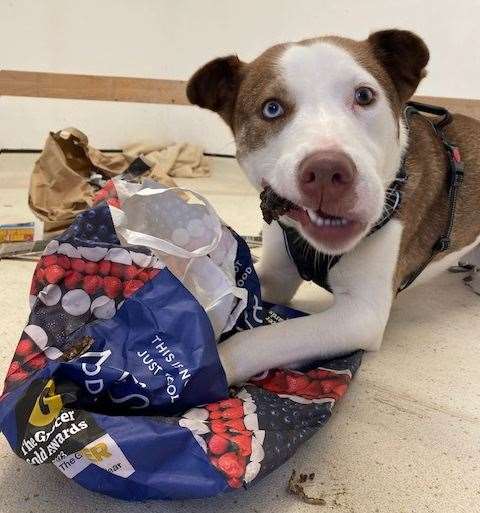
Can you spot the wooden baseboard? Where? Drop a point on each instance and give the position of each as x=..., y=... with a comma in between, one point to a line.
x=92, y=87
x=142, y=90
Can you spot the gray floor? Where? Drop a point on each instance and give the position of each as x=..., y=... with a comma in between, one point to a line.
x=406, y=439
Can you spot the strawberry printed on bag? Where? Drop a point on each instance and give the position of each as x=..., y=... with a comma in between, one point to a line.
x=114, y=275
x=228, y=432
x=26, y=360
x=315, y=386
x=80, y=280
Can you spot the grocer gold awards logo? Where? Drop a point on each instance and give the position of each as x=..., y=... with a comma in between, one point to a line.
x=47, y=406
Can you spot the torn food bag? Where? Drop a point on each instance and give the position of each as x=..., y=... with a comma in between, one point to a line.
x=116, y=379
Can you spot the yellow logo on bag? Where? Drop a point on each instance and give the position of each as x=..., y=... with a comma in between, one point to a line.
x=47, y=406
x=96, y=453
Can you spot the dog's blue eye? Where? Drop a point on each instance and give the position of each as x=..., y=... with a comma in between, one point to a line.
x=272, y=109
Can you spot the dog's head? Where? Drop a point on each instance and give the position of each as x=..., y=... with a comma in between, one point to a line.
x=320, y=121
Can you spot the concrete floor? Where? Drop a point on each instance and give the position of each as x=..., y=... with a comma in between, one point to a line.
x=406, y=438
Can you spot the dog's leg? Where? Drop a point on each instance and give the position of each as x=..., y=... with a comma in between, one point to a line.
x=362, y=285
x=278, y=275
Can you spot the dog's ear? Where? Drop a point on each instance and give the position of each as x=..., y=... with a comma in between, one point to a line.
x=215, y=86
x=404, y=56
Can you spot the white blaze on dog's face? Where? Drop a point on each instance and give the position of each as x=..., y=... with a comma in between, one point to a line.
x=320, y=122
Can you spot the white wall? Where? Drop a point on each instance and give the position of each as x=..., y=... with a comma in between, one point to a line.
x=170, y=39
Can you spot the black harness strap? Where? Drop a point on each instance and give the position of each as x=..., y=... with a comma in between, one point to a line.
x=393, y=199
x=313, y=265
x=455, y=178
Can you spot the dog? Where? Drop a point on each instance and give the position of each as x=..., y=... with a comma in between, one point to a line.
x=321, y=122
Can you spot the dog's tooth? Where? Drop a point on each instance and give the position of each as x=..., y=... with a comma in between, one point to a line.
x=325, y=221
x=312, y=215
x=315, y=218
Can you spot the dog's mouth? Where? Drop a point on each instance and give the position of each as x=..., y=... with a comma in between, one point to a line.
x=334, y=230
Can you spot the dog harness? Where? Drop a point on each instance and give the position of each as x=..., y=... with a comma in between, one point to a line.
x=314, y=266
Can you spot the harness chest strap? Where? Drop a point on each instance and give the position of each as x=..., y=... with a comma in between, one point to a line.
x=314, y=266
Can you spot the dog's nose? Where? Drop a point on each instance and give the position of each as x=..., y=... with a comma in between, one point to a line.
x=328, y=172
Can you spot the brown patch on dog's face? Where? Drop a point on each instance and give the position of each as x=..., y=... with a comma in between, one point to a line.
x=262, y=82
x=237, y=92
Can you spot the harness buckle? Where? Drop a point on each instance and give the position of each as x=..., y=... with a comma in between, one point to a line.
x=442, y=244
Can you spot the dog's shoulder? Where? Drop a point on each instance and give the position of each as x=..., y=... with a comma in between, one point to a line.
x=424, y=211
x=464, y=132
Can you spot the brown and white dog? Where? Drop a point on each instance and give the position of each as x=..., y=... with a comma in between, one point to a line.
x=321, y=122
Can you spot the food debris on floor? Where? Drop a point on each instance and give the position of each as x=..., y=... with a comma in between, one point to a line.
x=296, y=487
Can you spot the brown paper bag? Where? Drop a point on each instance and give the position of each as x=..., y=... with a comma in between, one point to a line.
x=59, y=185
x=59, y=188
